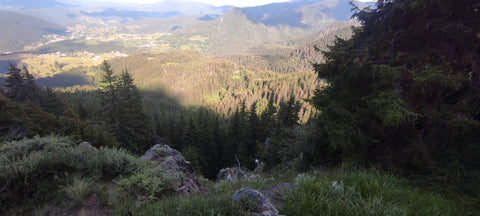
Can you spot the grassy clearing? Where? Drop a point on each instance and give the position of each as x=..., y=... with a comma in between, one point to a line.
x=365, y=193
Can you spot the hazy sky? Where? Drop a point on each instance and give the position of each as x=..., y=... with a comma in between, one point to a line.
x=238, y=3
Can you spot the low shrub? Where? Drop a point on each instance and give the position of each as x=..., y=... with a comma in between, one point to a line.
x=143, y=187
x=79, y=189
x=109, y=163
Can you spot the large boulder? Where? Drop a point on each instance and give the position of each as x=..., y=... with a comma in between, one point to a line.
x=254, y=201
x=86, y=147
x=175, y=165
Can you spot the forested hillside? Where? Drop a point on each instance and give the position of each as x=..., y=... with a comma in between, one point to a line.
x=221, y=84
x=375, y=116
x=19, y=30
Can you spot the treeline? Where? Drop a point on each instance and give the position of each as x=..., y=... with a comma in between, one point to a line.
x=28, y=110
x=194, y=78
x=212, y=142
x=208, y=139
x=115, y=115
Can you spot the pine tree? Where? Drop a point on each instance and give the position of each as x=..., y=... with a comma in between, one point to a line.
x=219, y=139
x=267, y=119
x=253, y=139
x=238, y=135
x=190, y=135
x=108, y=96
x=20, y=84
x=288, y=112
x=122, y=108
x=50, y=102
x=133, y=125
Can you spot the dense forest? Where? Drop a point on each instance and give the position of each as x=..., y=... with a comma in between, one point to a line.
x=398, y=94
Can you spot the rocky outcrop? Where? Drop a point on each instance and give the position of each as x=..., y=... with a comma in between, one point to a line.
x=175, y=165
x=247, y=197
x=236, y=174
x=87, y=147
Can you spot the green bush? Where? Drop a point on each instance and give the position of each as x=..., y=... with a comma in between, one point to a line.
x=144, y=186
x=109, y=163
x=42, y=170
x=15, y=149
x=34, y=169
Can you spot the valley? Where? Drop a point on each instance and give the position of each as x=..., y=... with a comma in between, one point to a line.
x=173, y=107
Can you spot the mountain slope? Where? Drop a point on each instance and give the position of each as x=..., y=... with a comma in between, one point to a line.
x=19, y=30
x=240, y=29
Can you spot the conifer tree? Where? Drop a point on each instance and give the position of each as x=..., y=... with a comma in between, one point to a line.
x=238, y=135
x=50, y=102
x=253, y=139
x=288, y=112
x=122, y=107
x=404, y=90
x=190, y=135
x=20, y=84
x=267, y=119
x=205, y=143
x=219, y=139
x=108, y=96
x=132, y=121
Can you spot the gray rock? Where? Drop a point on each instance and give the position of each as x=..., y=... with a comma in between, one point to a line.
x=236, y=174
x=160, y=152
x=87, y=147
x=175, y=165
x=232, y=174
x=254, y=201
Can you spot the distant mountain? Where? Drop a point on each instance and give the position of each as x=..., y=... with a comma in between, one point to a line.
x=304, y=14
x=32, y=3
x=132, y=14
x=240, y=29
x=19, y=30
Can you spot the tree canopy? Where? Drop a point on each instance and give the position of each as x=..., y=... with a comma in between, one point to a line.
x=404, y=91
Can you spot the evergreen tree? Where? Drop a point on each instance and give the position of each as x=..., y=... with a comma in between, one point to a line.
x=190, y=135
x=238, y=135
x=205, y=143
x=20, y=84
x=253, y=139
x=404, y=90
x=122, y=108
x=267, y=119
x=50, y=102
x=288, y=112
x=82, y=111
x=219, y=139
x=108, y=96
x=132, y=121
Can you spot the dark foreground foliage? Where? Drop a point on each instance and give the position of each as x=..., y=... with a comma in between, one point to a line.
x=404, y=91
